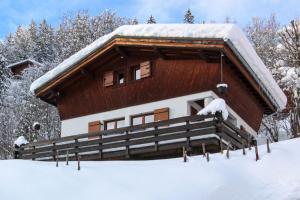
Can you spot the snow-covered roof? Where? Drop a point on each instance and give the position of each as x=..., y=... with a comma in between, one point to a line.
x=230, y=33
x=23, y=61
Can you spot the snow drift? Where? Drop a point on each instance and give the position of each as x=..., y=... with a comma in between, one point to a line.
x=275, y=177
x=215, y=105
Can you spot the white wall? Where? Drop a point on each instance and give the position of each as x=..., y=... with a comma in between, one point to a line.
x=178, y=108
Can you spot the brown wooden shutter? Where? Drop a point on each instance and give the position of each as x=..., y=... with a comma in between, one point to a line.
x=94, y=127
x=145, y=69
x=108, y=78
x=161, y=114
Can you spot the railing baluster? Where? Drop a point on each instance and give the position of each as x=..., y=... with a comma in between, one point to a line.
x=188, y=145
x=33, y=153
x=54, y=152
x=127, y=146
x=156, y=142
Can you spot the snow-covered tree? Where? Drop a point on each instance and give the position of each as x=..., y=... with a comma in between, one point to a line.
x=279, y=49
x=188, y=17
x=19, y=109
x=289, y=68
x=151, y=20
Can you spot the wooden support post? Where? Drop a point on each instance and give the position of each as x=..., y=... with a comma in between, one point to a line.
x=188, y=139
x=127, y=146
x=256, y=152
x=156, y=135
x=100, y=147
x=221, y=145
x=76, y=149
x=249, y=142
x=243, y=146
x=207, y=157
x=67, y=158
x=268, y=146
x=57, y=153
x=184, y=154
x=78, y=162
x=54, y=151
x=203, y=149
x=33, y=153
x=227, y=152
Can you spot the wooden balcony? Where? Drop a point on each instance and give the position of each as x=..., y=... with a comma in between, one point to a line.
x=164, y=139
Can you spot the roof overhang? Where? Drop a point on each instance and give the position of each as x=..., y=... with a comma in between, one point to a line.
x=216, y=44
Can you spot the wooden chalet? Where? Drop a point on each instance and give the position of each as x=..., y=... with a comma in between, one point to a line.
x=18, y=67
x=135, y=93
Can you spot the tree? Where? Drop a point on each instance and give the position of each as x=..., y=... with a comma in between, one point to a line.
x=290, y=71
x=188, y=17
x=279, y=49
x=19, y=109
x=151, y=20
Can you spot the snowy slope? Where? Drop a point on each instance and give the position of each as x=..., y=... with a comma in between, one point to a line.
x=276, y=177
x=230, y=33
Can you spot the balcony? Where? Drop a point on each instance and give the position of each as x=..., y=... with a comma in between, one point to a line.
x=156, y=140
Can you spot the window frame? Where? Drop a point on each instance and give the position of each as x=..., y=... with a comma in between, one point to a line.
x=116, y=120
x=143, y=115
x=133, y=70
x=118, y=72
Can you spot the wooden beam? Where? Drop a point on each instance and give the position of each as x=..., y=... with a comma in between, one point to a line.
x=122, y=52
x=87, y=73
x=202, y=55
x=159, y=53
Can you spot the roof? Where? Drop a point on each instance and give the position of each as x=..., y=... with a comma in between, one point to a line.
x=22, y=62
x=229, y=33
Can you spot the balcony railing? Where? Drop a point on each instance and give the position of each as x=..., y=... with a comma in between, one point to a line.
x=152, y=140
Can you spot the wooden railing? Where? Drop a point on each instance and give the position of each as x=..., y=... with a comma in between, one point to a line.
x=140, y=140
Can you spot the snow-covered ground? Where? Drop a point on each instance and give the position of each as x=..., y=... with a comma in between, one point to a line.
x=275, y=176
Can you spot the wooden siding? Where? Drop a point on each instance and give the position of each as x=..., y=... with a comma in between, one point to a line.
x=169, y=78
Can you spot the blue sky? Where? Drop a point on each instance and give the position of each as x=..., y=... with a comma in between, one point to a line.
x=20, y=12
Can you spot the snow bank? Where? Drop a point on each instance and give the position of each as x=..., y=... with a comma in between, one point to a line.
x=20, y=141
x=230, y=33
x=274, y=177
x=214, y=106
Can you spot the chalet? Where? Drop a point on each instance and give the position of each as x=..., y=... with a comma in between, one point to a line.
x=18, y=67
x=142, y=74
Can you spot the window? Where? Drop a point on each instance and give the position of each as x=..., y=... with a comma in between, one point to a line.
x=142, y=118
x=108, y=78
x=136, y=73
x=120, y=78
x=114, y=123
x=155, y=116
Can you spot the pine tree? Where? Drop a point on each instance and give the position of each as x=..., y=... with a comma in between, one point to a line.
x=188, y=17
x=45, y=43
x=151, y=20
x=19, y=108
x=134, y=21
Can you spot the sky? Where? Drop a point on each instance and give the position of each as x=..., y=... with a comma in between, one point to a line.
x=20, y=12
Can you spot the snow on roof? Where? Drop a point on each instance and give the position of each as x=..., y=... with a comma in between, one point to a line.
x=214, y=106
x=274, y=177
x=23, y=61
x=230, y=33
